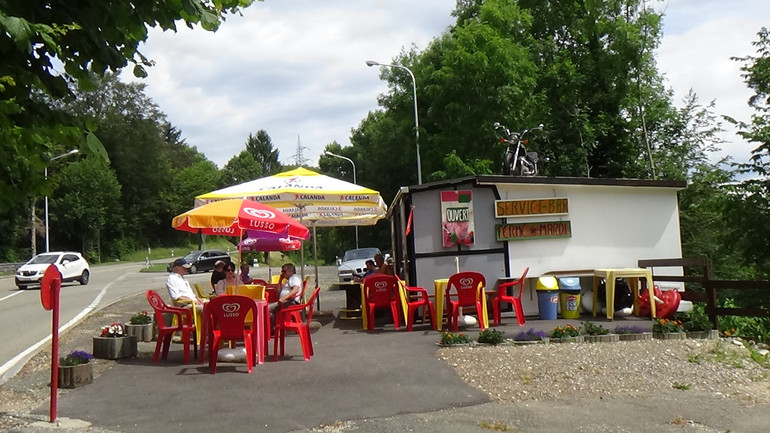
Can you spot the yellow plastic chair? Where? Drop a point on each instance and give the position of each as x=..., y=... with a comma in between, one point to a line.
x=201, y=293
x=253, y=291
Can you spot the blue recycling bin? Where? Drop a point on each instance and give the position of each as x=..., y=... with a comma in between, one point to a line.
x=547, y=297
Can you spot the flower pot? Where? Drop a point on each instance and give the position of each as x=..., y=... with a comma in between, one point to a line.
x=528, y=342
x=669, y=335
x=144, y=332
x=578, y=339
x=607, y=338
x=115, y=347
x=74, y=376
x=641, y=336
x=705, y=335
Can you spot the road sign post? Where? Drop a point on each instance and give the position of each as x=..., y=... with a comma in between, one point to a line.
x=49, y=297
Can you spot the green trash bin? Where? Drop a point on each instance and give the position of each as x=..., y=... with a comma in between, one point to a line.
x=569, y=298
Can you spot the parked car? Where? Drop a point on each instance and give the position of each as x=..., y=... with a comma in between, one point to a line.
x=73, y=267
x=203, y=260
x=353, y=263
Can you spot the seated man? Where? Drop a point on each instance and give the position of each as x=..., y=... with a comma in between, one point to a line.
x=370, y=269
x=290, y=290
x=179, y=289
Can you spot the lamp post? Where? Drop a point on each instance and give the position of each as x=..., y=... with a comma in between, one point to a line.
x=71, y=152
x=371, y=63
x=354, y=178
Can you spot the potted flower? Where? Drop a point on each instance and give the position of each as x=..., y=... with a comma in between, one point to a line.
x=596, y=333
x=449, y=338
x=141, y=326
x=114, y=343
x=75, y=369
x=490, y=336
x=666, y=329
x=566, y=334
x=530, y=337
x=696, y=323
x=632, y=333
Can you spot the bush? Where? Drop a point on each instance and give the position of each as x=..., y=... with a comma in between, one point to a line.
x=594, y=329
x=77, y=357
x=450, y=338
x=491, y=336
x=530, y=335
x=565, y=331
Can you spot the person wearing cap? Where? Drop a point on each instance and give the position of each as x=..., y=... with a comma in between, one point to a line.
x=218, y=273
x=179, y=289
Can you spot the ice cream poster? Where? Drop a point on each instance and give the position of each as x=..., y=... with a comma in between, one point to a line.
x=457, y=218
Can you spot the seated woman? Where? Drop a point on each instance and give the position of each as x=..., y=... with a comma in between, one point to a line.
x=230, y=280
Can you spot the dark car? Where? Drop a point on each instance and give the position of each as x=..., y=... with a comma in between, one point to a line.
x=203, y=261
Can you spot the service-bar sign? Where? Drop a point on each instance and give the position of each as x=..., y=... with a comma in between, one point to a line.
x=457, y=217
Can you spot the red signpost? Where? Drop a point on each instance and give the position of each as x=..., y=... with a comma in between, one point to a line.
x=49, y=296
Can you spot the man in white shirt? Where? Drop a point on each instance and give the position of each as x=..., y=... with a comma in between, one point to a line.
x=178, y=288
x=290, y=290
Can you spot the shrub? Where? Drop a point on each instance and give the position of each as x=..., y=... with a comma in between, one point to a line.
x=530, y=335
x=565, y=331
x=490, y=336
x=450, y=338
x=142, y=318
x=77, y=357
x=594, y=329
x=626, y=329
x=666, y=326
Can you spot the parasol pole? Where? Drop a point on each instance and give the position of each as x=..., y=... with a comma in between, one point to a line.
x=315, y=254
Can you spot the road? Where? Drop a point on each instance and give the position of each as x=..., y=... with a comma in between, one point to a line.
x=25, y=327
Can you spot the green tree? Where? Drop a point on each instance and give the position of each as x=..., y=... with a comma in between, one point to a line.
x=261, y=148
x=754, y=211
x=87, y=38
x=240, y=168
x=85, y=208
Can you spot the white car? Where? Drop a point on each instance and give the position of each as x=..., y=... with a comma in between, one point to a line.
x=73, y=267
x=353, y=263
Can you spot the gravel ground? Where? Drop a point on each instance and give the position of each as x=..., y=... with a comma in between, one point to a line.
x=511, y=374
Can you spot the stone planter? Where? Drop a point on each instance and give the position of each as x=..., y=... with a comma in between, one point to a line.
x=75, y=376
x=607, y=338
x=529, y=342
x=578, y=339
x=145, y=332
x=669, y=335
x=641, y=336
x=115, y=347
x=705, y=335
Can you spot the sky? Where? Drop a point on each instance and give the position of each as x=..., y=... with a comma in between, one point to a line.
x=296, y=68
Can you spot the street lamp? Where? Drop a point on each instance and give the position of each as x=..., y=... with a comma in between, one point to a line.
x=371, y=63
x=354, y=178
x=71, y=152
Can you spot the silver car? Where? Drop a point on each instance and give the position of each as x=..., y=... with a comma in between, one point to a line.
x=353, y=263
x=73, y=267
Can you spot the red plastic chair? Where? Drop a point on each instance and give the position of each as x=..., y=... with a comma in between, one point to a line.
x=226, y=321
x=416, y=302
x=259, y=281
x=166, y=331
x=380, y=291
x=470, y=288
x=503, y=296
x=290, y=319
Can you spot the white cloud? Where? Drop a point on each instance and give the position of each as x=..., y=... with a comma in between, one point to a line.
x=296, y=67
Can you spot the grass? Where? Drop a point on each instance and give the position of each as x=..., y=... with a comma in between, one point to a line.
x=682, y=386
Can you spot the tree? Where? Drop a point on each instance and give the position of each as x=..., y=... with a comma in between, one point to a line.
x=87, y=207
x=754, y=210
x=240, y=168
x=87, y=38
x=261, y=148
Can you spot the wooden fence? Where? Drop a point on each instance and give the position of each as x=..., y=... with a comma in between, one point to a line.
x=705, y=279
